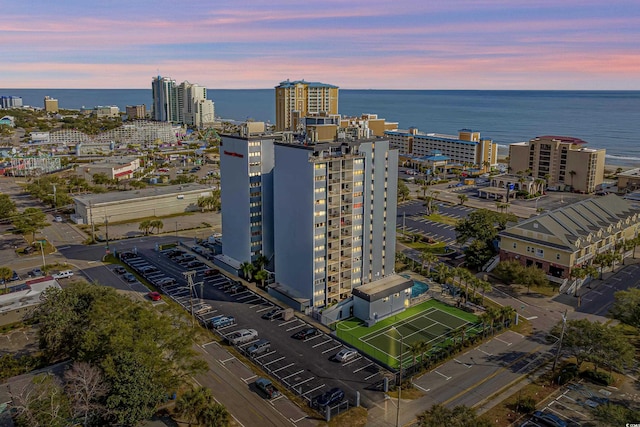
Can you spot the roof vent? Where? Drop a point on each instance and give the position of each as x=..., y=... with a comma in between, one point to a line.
x=535, y=225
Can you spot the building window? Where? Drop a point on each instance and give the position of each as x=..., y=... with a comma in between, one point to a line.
x=557, y=256
x=514, y=245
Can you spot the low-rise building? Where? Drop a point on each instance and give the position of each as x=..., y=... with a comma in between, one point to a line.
x=23, y=298
x=629, y=180
x=113, y=167
x=106, y=111
x=135, y=204
x=571, y=236
x=136, y=111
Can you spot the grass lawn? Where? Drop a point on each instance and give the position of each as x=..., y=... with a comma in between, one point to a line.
x=430, y=321
x=436, y=248
x=443, y=219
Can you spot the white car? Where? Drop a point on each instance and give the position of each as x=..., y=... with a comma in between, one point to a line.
x=63, y=274
x=345, y=355
x=57, y=218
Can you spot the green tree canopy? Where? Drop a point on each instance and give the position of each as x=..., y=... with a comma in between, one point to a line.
x=32, y=220
x=403, y=191
x=7, y=206
x=460, y=416
x=626, y=307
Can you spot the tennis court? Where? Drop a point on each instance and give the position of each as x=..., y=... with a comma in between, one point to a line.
x=432, y=322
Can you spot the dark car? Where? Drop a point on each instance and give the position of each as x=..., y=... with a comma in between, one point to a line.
x=28, y=250
x=129, y=277
x=185, y=258
x=235, y=289
x=14, y=277
x=305, y=333
x=211, y=272
x=195, y=264
x=119, y=270
x=272, y=314
x=36, y=272
x=330, y=398
x=549, y=419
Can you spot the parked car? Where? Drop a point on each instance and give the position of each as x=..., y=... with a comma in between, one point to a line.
x=267, y=388
x=63, y=274
x=259, y=347
x=127, y=255
x=58, y=218
x=14, y=277
x=119, y=270
x=236, y=289
x=345, y=355
x=272, y=314
x=36, y=272
x=148, y=269
x=306, y=333
x=242, y=336
x=549, y=419
x=154, y=296
x=223, y=322
x=185, y=258
x=330, y=398
x=28, y=250
x=211, y=272
x=195, y=264
x=166, y=281
x=129, y=277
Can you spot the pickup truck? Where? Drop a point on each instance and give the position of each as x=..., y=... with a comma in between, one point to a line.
x=243, y=336
x=265, y=386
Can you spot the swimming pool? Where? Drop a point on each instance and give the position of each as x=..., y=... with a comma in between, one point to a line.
x=418, y=287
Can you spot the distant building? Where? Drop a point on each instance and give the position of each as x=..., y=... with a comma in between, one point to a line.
x=106, y=111
x=629, y=180
x=135, y=112
x=10, y=102
x=561, y=161
x=50, y=105
x=326, y=128
x=570, y=237
x=8, y=121
x=129, y=205
x=298, y=99
x=113, y=168
x=467, y=148
x=185, y=103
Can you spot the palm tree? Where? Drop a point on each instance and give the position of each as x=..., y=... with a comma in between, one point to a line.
x=199, y=406
x=157, y=224
x=572, y=173
x=506, y=313
x=214, y=415
x=463, y=198
x=428, y=259
x=261, y=261
x=494, y=314
x=261, y=275
x=441, y=273
x=145, y=226
x=485, y=319
x=247, y=270
x=415, y=349
x=486, y=164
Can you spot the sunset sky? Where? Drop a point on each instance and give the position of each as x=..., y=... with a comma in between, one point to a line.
x=355, y=44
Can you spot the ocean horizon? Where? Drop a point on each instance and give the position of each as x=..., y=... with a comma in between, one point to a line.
x=604, y=119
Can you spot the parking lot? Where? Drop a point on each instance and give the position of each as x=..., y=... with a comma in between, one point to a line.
x=411, y=218
x=305, y=366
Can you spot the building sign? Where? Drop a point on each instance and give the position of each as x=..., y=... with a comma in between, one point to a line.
x=231, y=153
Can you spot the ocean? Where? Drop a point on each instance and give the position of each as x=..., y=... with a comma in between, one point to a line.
x=604, y=119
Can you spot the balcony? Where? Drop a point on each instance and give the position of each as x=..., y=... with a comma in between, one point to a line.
x=584, y=258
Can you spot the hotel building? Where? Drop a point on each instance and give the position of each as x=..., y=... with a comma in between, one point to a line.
x=136, y=112
x=165, y=103
x=467, y=148
x=297, y=99
x=560, y=160
x=10, y=102
x=50, y=105
x=185, y=103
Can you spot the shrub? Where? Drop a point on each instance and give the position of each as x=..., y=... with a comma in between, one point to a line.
x=598, y=377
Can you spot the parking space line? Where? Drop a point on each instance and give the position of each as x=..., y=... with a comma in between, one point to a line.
x=462, y=363
x=313, y=337
x=332, y=348
x=249, y=295
x=209, y=343
x=264, y=309
x=505, y=342
x=360, y=369
x=304, y=381
x=293, y=375
x=246, y=380
x=312, y=390
x=371, y=376
x=286, y=323
x=482, y=351
x=351, y=361
x=284, y=367
x=442, y=375
x=296, y=327
x=274, y=361
x=252, y=301
x=226, y=360
x=321, y=343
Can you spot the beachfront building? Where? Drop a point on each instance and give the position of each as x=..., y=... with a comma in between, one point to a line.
x=50, y=105
x=10, y=102
x=468, y=148
x=629, y=180
x=569, y=237
x=109, y=111
x=185, y=103
x=157, y=201
x=564, y=162
x=334, y=218
x=136, y=111
x=298, y=99
x=333, y=127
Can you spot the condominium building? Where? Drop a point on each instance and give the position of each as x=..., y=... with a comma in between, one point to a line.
x=571, y=236
x=136, y=111
x=246, y=183
x=185, y=103
x=10, y=102
x=331, y=127
x=561, y=161
x=50, y=105
x=298, y=99
x=334, y=210
x=466, y=148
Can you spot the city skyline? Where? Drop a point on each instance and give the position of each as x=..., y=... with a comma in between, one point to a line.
x=463, y=44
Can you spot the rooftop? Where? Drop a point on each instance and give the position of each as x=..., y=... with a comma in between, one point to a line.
x=287, y=83
x=28, y=294
x=119, y=196
x=568, y=139
x=630, y=172
x=378, y=289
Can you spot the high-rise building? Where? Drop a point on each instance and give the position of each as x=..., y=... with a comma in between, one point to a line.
x=10, y=102
x=297, y=99
x=165, y=104
x=136, y=111
x=560, y=160
x=465, y=148
x=322, y=214
x=50, y=105
x=185, y=103
x=334, y=217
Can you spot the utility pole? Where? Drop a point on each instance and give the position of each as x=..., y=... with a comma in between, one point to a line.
x=55, y=203
x=404, y=217
x=189, y=275
x=564, y=326
x=42, y=251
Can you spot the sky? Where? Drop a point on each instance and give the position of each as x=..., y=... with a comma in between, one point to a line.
x=354, y=44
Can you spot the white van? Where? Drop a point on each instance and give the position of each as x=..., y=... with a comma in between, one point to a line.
x=63, y=274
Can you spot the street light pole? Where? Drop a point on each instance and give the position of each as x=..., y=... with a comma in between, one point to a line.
x=564, y=325
x=42, y=251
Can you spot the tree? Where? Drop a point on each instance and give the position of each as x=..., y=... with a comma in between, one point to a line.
x=572, y=173
x=428, y=259
x=198, y=406
x=403, y=191
x=85, y=387
x=626, y=307
x=157, y=224
x=506, y=314
x=5, y=274
x=145, y=226
x=463, y=198
x=611, y=414
x=100, y=178
x=415, y=349
x=460, y=416
x=32, y=220
x=247, y=270
x=261, y=275
x=42, y=403
x=7, y=206
x=261, y=261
